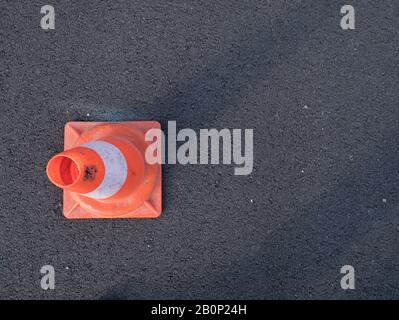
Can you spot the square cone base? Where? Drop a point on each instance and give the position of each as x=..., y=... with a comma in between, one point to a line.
x=72, y=209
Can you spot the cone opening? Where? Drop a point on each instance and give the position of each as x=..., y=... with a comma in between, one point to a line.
x=63, y=171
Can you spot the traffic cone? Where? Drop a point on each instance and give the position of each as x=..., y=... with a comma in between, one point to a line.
x=103, y=171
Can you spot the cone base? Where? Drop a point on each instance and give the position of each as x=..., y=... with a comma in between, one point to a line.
x=73, y=208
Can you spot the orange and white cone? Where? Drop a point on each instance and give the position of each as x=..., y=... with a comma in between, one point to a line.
x=105, y=174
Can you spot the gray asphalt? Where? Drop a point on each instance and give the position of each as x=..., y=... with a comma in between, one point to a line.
x=323, y=104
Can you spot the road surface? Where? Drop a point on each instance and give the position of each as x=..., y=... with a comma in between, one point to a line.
x=323, y=103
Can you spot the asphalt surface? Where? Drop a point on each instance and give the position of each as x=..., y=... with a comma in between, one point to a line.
x=323, y=103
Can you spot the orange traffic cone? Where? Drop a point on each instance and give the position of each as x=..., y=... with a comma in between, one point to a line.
x=103, y=171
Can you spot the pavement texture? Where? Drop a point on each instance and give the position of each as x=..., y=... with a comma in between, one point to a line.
x=323, y=103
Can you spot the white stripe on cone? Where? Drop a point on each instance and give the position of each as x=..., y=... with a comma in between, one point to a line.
x=115, y=169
